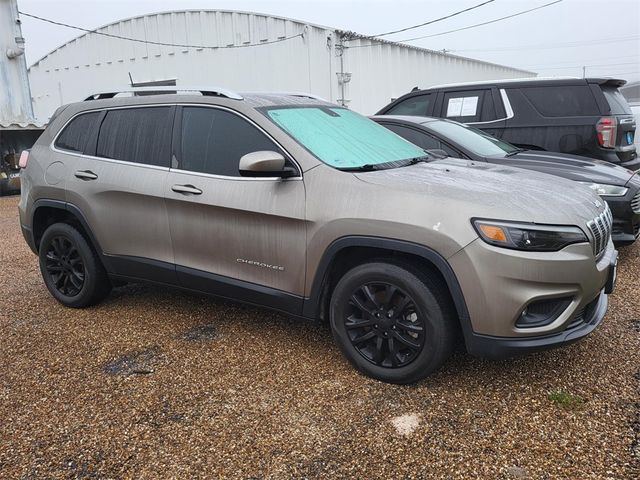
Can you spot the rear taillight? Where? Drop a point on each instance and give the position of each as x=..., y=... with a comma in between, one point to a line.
x=607, y=129
x=24, y=158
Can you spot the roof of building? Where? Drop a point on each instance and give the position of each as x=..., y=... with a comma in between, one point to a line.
x=345, y=34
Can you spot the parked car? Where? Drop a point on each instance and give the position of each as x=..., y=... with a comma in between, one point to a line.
x=9, y=174
x=618, y=186
x=635, y=109
x=308, y=208
x=588, y=117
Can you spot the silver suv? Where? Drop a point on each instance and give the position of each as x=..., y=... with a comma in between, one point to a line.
x=296, y=204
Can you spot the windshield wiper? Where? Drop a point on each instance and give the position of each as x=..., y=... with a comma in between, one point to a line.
x=367, y=167
x=515, y=152
x=424, y=158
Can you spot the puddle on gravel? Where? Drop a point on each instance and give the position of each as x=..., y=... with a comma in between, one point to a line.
x=141, y=362
x=201, y=333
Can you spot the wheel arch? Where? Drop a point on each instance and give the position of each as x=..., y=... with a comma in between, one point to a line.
x=347, y=252
x=47, y=212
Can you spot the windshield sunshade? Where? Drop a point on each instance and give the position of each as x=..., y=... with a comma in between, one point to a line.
x=342, y=138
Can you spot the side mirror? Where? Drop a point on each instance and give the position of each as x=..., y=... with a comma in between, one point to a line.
x=264, y=164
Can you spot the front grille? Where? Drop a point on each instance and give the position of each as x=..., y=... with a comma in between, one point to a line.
x=601, y=227
x=635, y=203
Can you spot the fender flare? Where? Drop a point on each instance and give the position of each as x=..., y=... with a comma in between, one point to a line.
x=311, y=306
x=71, y=208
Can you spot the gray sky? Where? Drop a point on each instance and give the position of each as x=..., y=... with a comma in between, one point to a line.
x=604, y=35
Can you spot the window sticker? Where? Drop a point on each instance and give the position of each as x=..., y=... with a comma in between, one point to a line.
x=469, y=106
x=454, y=107
x=462, y=107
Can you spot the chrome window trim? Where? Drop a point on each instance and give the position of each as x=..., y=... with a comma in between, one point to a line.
x=113, y=160
x=507, y=108
x=156, y=167
x=226, y=177
x=52, y=145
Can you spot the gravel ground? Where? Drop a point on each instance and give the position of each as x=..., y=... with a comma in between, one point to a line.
x=155, y=383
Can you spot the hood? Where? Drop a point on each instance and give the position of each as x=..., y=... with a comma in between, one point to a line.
x=478, y=189
x=573, y=167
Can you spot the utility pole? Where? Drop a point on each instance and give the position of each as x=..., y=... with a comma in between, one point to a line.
x=584, y=71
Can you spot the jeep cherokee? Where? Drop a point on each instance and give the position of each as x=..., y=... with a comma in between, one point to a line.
x=299, y=205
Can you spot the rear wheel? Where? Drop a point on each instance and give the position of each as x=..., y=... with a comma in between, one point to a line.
x=393, y=323
x=70, y=268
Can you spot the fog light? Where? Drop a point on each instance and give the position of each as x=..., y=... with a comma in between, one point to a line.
x=542, y=312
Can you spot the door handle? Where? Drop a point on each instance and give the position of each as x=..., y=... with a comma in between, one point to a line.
x=86, y=175
x=186, y=189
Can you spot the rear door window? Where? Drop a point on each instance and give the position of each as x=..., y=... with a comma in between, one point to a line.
x=465, y=106
x=562, y=100
x=75, y=135
x=418, y=106
x=616, y=101
x=139, y=135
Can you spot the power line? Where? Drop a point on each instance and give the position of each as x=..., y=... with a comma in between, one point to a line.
x=151, y=42
x=554, y=45
x=577, y=60
x=481, y=24
x=586, y=65
x=463, y=28
x=432, y=21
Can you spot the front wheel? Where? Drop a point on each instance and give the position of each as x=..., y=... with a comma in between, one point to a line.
x=393, y=323
x=70, y=268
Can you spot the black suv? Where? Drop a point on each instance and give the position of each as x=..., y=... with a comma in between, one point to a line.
x=587, y=117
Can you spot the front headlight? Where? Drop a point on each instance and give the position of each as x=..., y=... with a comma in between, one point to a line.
x=528, y=236
x=607, y=190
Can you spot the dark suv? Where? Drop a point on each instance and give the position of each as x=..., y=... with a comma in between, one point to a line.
x=587, y=117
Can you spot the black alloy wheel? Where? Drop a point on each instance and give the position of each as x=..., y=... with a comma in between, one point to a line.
x=64, y=266
x=384, y=325
x=71, y=268
x=394, y=321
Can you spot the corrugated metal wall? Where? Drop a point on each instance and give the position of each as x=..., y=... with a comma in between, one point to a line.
x=92, y=63
x=386, y=71
x=15, y=101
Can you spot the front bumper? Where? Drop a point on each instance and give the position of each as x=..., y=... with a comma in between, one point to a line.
x=627, y=159
x=498, y=284
x=626, y=222
x=582, y=324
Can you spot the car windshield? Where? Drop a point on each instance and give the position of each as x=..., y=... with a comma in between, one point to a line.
x=342, y=138
x=472, y=139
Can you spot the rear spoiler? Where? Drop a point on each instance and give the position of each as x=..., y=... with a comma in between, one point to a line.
x=609, y=82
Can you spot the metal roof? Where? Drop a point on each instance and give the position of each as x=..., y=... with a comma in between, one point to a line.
x=346, y=33
x=22, y=126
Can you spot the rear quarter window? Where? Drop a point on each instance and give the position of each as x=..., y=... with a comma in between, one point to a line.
x=562, y=101
x=418, y=106
x=75, y=134
x=616, y=101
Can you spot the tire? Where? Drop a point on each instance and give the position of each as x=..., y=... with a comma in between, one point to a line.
x=422, y=333
x=70, y=267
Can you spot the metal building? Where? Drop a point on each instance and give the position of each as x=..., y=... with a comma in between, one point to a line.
x=245, y=52
x=18, y=129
